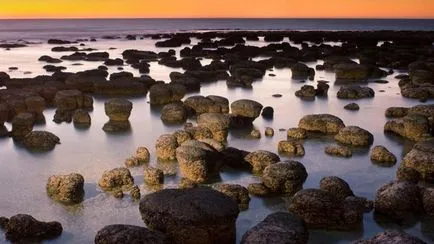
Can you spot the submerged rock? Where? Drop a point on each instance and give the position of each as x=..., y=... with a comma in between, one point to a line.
x=352, y=106
x=355, y=136
x=118, y=109
x=23, y=228
x=238, y=193
x=414, y=127
x=41, y=140
x=284, y=177
x=118, y=178
x=324, y=123
x=336, y=186
x=355, y=92
x=129, y=234
x=338, y=150
x=194, y=215
x=153, y=176
x=22, y=124
x=421, y=159
x=66, y=189
x=278, y=228
x=174, y=113
x=396, y=112
x=380, y=154
x=217, y=123
x=291, y=147
x=392, y=237
x=260, y=159
x=166, y=147
x=296, y=133
x=81, y=117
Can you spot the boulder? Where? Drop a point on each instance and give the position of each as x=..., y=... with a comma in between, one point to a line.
x=380, y=154
x=355, y=92
x=161, y=94
x=23, y=228
x=221, y=101
x=392, y=237
x=338, y=150
x=234, y=158
x=118, y=109
x=199, y=132
x=355, y=136
x=269, y=132
x=70, y=100
x=182, y=136
x=246, y=108
x=153, y=176
x=306, y=91
x=408, y=174
x=284, y=177
x=194, y=215
x=396, y=112
x=259, y=189
x=129, y=234
x=22, y=124
x=67, y=189
x=41, y=141
x=200, y=104
x=336, y=186
x=116, y=179
x=278, y=228
x=198, y=161
x=238, y=193
x=324, y=123
x=166, y=147
x=81, y=117
x=36, y=106
x=291, y=147
x=255, y=133
x=174, y=113
x=322, y=210
x=398, y=199
x=421, y=159
x=351, y=72
x=135, y=193
x=413, y=126
x=217, y=123
x=352, y=106
x=268, y=113
x=301, y=71
x=260, y=159
x=142, y=154
x=296, y=133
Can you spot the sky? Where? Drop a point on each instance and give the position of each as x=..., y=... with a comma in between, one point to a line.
x=216, y=8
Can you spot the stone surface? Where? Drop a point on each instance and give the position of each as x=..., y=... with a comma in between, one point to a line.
x=238, y=193
x=260, y=159
x=41, y=141
x=284, y=177
x=421, y=159
x=324, y=123
x=355, y=136
x=380, y=154
x=153, y=176
x=118, y=178
x=129, y=234
x=66, y=189
x=118, y=109
x=166, y=147
x=291, y=147
x=414, y=127
x=392, y=237
x=337, y=150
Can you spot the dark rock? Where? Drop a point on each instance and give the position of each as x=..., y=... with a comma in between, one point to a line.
x=129, y=234
x=22, y=228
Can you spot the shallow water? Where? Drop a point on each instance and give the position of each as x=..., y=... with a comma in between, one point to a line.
x=90, y=152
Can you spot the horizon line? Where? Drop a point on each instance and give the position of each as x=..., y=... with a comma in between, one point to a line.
x=216, y=18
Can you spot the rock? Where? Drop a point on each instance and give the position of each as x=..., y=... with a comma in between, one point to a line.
x=398, y=199
x=36, y=106
x=3, y=131
x=199, y=132
x=428, y=201
x=22, y=124
x=118, y=193
x=322, y=210
x=355, y=136
x=129, y=234
x=238, y=193
x=135, y=193
x=70, y=100
x=198, y=161
x=153, y=176
x=209, y=214
x=322, y=89
x=200, y=104
x=351, y=72
x=67, y=189
x=118, y=178
x=118, y=109
x=234, y=158
x=182, y=136
x=259, y=189
x=174, y=113
x=267, y=113
x=81, y=117
x=132, y=162
x=260, y=159
x=284, y=177
x=306, y=91
x=355, y=92
x=161, y=94
x=114, y=62
x=255, y=133
x=291, y=147
x=246, y=108
x=41, y=141
x=142, y=154
x=414, y=127
x=217, y=145
x=324, y=123
x=352, y=106
x=296, y=133
x=336, y=186
x=396, y=112
x=408, y=174
x=269, y=132
x=23, y=228
x=4, y=113
x=337, y=150
x=421, y=159
x=217, y=123
x=301, y=71
x=116, y=126
x=392, y=237
x=278, y=228
x=221, y=101
x=166, y=147
x=380, y=154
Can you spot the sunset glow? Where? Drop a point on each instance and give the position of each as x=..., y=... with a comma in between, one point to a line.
x=221, y=8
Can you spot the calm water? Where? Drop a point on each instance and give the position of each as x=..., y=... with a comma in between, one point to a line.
x=90, y=152
x=83, y=28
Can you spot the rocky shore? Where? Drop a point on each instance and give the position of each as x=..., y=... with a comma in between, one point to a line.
x=197, y=206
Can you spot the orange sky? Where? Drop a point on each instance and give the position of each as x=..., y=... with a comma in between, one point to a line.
x=217, y=8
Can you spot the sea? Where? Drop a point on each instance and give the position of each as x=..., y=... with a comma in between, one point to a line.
x=29, y=29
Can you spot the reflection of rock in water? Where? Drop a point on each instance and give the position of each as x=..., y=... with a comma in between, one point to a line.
x=117, y=126
x=427, y=226
x=387, y=222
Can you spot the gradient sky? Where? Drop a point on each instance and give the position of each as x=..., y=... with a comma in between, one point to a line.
x=216, y=8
